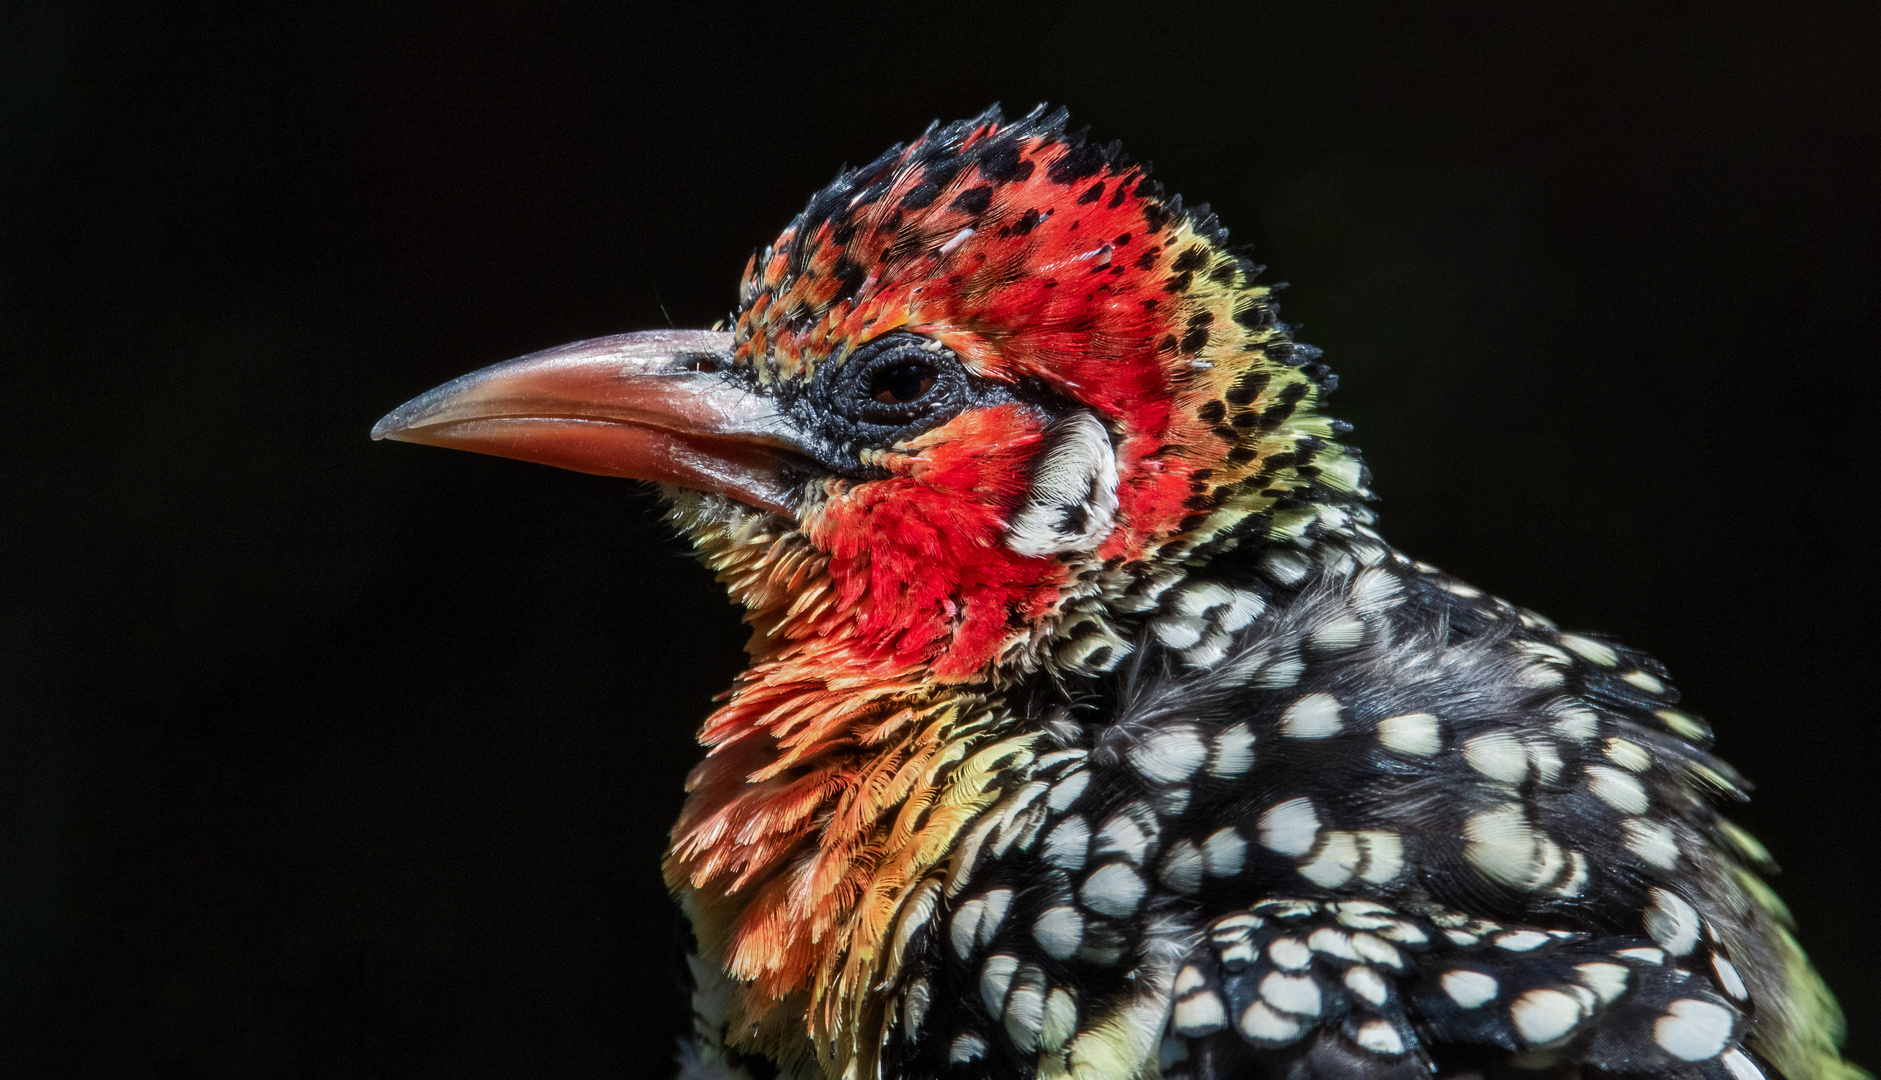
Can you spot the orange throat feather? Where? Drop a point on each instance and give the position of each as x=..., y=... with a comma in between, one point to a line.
x=836, y=782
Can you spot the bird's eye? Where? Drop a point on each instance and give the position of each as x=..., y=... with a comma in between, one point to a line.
x=902, y=384
x=890, y=388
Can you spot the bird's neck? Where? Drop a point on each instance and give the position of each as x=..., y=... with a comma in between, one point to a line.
x=835, y=780
x=821, y=805
x=820, y=712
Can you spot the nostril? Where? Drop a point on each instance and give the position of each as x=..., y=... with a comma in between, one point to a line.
x=706, y=365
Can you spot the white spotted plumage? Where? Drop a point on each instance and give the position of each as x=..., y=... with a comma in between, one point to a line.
x=1217, y=783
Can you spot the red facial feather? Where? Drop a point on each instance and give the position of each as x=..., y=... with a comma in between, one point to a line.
x=920, y=555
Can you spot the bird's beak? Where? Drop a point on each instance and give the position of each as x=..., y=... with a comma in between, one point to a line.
x=655, y=406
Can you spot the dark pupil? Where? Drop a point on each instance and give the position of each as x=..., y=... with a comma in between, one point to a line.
x=901, y=383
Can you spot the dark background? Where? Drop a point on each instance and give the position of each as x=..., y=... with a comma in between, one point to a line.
x=322, y=757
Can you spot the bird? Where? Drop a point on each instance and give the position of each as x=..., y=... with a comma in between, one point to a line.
x=1091, y=728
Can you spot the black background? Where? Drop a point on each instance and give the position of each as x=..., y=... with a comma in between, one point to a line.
x=323, y=757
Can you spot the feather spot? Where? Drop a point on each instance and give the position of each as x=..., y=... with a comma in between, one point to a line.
x=1059, y=931
x=1378, y=951
x=1260, y=1023
x=1651, y=841
x=1297, y=994
x=1332, y=943
x=1123, y=835
x=1025, y=1008
x=995, y=976
x=1066, y=791
x=1337, y=860
x=1542, y=1016
x=1412, y=733
x=1285, y=567
x=1469, y=989
x=1171, y=755
x=1339, y=634
x=1290, y=828
x=1576, y=878
x=1314, y=716
x=965, y=927
x=1617, y=789
x=1645, y=681
x=1178, y=632
x=1113, y=889
x=1375, y=590
x=1576, y=723
x=1061, y=1020
x=1244, y=608
x=966, y=1047
x=1588, y=649
x=1182, y=868
x=1203, y=597
x=997, y=901
x=1498, y=756
x=1289, y=953
x=1607, y=981
x=1628, y=755
x=1504, y=847
x=1067, y=846
x=914, y=1007
x=1367, y=985
x=1224, y=852
x=1379, y=1037
x=1693, y=1030
x=1682, y=724
x=1233, y=752
x=1384, y=855
x=1521, y=940
x=1671, y=921
x=1200, y=1014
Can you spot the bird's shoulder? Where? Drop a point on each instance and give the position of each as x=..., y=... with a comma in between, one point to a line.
x=1353, y=739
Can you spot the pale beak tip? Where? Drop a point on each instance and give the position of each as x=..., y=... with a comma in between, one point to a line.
x=390, y=426
x=394, y=424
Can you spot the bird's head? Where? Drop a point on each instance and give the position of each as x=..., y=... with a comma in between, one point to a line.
x=982, y=400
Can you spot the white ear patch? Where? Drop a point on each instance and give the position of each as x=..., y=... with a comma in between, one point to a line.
x=1072, y=503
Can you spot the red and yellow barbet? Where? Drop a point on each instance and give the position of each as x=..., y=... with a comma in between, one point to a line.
x=860, y=744
x=1089, y=728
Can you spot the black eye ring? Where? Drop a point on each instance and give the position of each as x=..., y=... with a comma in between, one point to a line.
x=884, y=392
x=897, y=381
